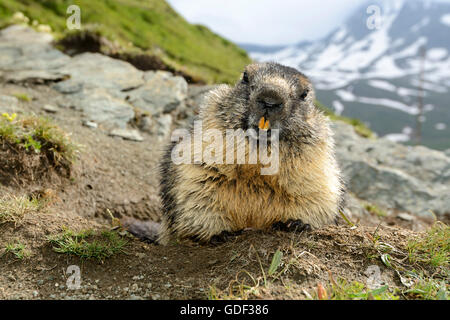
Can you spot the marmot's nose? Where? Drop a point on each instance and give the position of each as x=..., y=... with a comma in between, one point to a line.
x=269, y=100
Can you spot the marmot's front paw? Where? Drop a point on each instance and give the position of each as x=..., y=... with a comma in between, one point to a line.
x=291, y=226
x=224, y=236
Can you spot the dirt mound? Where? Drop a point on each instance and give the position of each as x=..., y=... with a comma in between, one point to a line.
x=33, y=152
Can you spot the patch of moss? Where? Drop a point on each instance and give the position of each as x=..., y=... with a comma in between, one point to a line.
x=22, y=96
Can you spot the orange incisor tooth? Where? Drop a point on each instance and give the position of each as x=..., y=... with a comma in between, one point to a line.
x=261, y=123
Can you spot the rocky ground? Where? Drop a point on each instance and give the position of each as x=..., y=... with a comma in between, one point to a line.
x=120, y=117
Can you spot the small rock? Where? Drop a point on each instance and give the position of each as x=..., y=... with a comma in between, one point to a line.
x=134, y=287
x=90, y=124
x=50, y=109
x=156, y=296
x=135, y=297
x=35, y=293
x=127, y=134
x=406, y=217
x=212, y=262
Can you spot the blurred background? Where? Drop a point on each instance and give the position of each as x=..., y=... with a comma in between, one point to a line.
x=385, y=62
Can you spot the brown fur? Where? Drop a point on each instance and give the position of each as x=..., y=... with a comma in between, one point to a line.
x=201, y=200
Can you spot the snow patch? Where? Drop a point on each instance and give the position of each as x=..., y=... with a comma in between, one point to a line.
x=384, y=85
x=338, y=107
x=445, y=19
x=437, y=54
x=421, y=24
x=400, y=137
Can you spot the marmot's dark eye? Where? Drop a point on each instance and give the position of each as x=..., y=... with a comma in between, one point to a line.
x=304, y=94
x=245, y=78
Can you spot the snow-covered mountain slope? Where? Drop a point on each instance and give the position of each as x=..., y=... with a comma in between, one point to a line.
x=370, y=67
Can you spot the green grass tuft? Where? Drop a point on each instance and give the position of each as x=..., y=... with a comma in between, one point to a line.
x=38, y=134
x=433, y=248
x=428, y=289
x=14, y=209
x=88, y=244
x=17, y=249
x=345, y=290
x=22, y=96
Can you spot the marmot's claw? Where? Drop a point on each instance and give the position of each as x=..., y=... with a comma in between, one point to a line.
x=224, y=236
x=291, y=226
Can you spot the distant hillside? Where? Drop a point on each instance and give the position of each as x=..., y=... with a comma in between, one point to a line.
x=151, y=26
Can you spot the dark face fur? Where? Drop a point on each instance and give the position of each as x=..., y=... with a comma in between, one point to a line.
x=280, y=94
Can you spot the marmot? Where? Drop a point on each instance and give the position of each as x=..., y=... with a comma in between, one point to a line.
x=203, y=200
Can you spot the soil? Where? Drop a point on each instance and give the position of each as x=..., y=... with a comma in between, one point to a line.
x=119, y=177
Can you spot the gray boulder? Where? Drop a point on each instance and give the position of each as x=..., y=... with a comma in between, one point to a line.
x=394, y=176
x=161, y=93
x=99, y=106
x=23, y=49
x=93, y=70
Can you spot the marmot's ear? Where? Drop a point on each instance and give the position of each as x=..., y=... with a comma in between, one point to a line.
x=304, y=82
x=251, y=68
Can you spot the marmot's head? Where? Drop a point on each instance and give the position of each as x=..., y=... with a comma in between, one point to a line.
x=271, y=96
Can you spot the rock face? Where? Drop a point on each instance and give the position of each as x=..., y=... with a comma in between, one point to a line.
x=28, y=55
x=412, y=179
x=161, y=93
x=116, y=96
x=106, y=90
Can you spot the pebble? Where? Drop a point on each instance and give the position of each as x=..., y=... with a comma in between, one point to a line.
x=127, y=134
x=406, y=217
x=134, y=287
x=90, y=124
x=50, y=109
